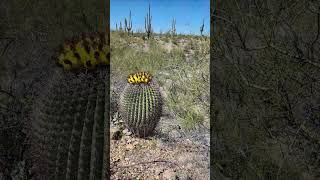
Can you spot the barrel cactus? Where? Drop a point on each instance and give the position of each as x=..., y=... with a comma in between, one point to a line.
x=141, y=104
x=70, y=117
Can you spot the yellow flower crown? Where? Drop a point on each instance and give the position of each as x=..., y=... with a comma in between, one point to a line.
x=140, y=78
x=84, y=52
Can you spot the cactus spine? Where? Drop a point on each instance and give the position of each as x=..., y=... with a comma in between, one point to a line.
x=70, y=117
x=141, y=105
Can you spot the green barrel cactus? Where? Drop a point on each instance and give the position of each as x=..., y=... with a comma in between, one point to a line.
x=141, y=104
x=70, y=118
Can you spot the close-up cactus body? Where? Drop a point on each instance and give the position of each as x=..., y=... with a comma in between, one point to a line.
x=69, y=125
x=141, y=104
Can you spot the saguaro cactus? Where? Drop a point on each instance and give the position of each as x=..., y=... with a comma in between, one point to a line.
x=147, y=23
x=141, y=104
x=202, y=27
x=120, y=28
x=173, y=27
x=128, y=25
x=70, y=117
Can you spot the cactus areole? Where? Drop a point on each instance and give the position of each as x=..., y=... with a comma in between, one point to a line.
x=141, y=104
x=70, y=116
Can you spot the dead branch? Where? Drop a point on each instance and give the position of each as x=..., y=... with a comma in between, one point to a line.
x=245, y=80
x=295, y=57
x=7, y=93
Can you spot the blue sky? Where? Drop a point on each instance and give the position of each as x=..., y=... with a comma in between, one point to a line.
x=189, y=14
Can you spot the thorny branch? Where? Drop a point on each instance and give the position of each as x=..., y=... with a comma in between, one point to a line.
x=294, y=56
x=11, y=40
x=7, y=93
x=245, y=80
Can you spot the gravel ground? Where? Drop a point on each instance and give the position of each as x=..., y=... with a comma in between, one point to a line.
x=170, y=153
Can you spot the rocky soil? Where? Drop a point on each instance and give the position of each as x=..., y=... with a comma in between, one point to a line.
x=169, y=154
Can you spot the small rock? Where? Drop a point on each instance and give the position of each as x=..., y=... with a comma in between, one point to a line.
x=158, y=171
x=116, y=160
x=189, y=165
x=168, y=174
x=161, y=144
x=115, y=117
x=184, y=176
x=175, y=134
x=126, y=132
x=168, y=83
x=115, y=133
x=129, y=146
x=206, y=141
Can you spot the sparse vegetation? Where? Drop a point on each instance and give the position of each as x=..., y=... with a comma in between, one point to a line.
x=180, y=65
x=180, y=70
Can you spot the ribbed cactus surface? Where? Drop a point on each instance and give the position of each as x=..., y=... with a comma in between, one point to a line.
x=141, y=104
x=70, y=116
